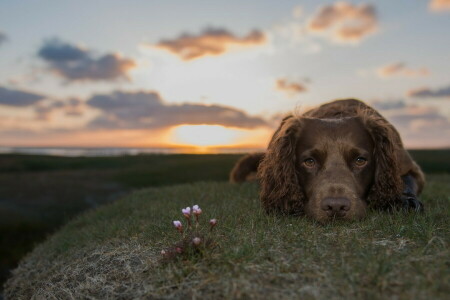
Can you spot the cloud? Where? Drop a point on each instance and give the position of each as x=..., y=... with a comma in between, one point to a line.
x=18, y=98
x=388, y=104
x=344, y=21
x=289, y=87
x=420, y=123
x=210, y=42
x=429, y=93
x=419, y=126
x=43, y=112
x=400, y=69
x=439, y=5
x=146, y=110
x=3, y=37
x=71, y=107
x=75, y=63
x=410, y=113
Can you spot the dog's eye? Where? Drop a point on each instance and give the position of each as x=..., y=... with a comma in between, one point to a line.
x=309, y=162
x=360, y=161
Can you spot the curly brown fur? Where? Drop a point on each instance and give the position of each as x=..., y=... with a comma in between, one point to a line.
x=387, y=189
x=280, y=190
x=333, y=135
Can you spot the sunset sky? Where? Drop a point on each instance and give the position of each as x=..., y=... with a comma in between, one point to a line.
x=216, y=73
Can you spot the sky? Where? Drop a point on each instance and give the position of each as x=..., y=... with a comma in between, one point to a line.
x=216, y=73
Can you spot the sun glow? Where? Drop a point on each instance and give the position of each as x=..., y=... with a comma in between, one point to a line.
x=205, y=135
x=205, y=138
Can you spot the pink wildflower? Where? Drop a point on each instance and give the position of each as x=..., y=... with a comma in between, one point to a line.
x=186, y=212
x=178, y=226
x=196, y=241
x=212, y=222
x=196, y=210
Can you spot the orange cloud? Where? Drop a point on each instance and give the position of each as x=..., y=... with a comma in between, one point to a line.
x=289, y=87
x=211, y=42
x=400, y=69
x=439, y=5
x=344, y=21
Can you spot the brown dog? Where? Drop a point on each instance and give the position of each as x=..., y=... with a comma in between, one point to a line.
x=333, y=162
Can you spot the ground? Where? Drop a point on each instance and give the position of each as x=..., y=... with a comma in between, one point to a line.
x=114, y=251
x=38, y=194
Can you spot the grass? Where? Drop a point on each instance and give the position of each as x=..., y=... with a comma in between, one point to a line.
x=114, y=251
x=38, y=194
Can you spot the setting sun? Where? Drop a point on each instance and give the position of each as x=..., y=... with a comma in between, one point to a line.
x=205, y=135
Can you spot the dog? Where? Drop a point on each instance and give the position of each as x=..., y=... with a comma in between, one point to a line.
x=334, y=162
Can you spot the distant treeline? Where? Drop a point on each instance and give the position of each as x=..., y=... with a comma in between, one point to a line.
x=431, y=161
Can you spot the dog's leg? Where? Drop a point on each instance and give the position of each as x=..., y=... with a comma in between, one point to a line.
x=409, y=195
x=246, y=167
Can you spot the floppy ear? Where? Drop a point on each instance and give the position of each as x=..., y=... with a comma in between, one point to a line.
x=387, y=188
x=280, y=190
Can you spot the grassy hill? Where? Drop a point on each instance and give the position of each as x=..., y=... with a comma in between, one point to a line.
x=38, y=194
x=114, y=251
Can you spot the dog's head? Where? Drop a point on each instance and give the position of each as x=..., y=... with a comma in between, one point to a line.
x=330, y=168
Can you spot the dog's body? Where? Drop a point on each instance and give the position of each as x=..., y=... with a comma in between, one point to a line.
x=333, y=162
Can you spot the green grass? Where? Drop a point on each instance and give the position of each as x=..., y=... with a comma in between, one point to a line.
x=114, y=251
x=130, y=171
x=38, y=194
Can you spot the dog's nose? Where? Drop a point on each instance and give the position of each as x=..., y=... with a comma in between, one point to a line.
x=335, y=206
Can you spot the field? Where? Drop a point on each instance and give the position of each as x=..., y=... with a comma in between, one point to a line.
x=393, y=255
x=38, y=194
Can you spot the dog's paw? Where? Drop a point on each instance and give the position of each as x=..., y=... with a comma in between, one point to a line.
x=410, y=202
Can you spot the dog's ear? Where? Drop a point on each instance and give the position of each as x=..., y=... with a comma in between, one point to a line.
x=387, y=188
x=277, y=172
